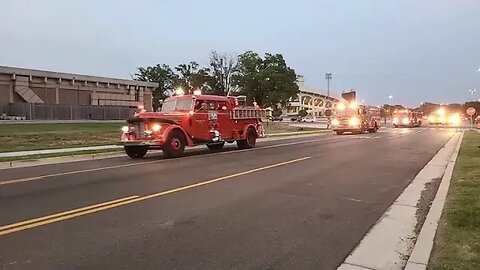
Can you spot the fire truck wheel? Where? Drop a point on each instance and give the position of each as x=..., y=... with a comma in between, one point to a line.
x=136, y=151
x=339, y=132
x=250, y=141
x=174, y=145
x=215, y=146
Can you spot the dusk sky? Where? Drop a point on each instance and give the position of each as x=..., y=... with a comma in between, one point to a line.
x=415, y=50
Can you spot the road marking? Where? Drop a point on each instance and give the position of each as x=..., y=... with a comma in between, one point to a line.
x=28, y=224
x=2, y=228
x=405, y=134
x=41, y=177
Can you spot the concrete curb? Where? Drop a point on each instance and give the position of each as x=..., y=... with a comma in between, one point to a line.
x=423, y=247
x=388, y=244
x=85, y=157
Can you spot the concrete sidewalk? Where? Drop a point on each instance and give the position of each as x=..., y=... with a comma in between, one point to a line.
x=56, y=151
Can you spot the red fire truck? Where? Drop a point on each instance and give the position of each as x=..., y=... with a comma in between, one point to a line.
x=407, y=118
x=188, y=120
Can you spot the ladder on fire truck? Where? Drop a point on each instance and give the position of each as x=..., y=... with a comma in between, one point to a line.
x=242, y=113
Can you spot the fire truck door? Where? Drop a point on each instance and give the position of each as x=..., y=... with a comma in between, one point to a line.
x=224, y=123
x=200, y=123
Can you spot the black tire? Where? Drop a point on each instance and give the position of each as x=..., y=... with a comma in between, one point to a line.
x=215, y=146
x=250, y=141
x=395, y=126
x=136, y=151
x=174, y=145
x=339, y=132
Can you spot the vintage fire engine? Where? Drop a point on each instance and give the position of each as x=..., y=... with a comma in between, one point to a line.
x=188, y=120
x=349, y=116
x=407, y=118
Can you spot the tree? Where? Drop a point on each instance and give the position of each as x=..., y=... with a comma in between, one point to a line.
x=192, y=77
x=269, y=81
x=277, y=112
x=302, y=113
x=161, y=74
x=222, y=70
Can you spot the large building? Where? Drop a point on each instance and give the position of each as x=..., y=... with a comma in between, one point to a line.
x=314, y=102
x=39, y=94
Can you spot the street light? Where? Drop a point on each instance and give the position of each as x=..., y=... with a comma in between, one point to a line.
x=328, y=77
x=390, y=99
x=472, y=91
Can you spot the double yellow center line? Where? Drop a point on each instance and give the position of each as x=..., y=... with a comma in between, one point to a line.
x=36, y=222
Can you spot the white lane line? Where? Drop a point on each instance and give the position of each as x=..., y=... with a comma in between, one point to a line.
x=405, y=134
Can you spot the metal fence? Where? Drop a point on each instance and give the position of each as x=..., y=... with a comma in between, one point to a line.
x=68, y=112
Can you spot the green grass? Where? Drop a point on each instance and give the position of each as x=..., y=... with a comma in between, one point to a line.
x=457, y=243
x=24, y=137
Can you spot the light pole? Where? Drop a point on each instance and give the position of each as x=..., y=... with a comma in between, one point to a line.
x=390, y=98
x=328, y=77
x=472, y=91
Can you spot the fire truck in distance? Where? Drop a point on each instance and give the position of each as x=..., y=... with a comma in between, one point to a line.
x=442, y=117
x=349, y=116
x=407, y=118
x=188, y=120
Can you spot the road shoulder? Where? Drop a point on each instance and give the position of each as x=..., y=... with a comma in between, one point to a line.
x=392, y=238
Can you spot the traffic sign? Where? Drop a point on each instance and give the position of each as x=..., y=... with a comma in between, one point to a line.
x=471, y=111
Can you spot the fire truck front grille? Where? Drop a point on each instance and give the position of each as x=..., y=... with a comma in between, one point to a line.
x=139, y=129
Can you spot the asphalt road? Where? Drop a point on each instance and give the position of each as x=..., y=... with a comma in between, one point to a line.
x=300, y=203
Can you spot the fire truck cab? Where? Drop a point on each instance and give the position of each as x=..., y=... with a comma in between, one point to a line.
x=354, y=118
x=407, y=118
x=189, y=120
x=349, y=116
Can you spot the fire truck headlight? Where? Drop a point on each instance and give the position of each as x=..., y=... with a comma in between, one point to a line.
x=335, y=122
x=125, y=129
x=156, y=127
x=405, y=121
x=395, y=120
x=455, y=119
x=354, y=121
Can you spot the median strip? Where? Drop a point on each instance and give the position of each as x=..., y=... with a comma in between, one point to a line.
x=41, y=221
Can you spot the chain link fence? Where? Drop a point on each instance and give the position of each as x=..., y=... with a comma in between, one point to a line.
x=67, y=112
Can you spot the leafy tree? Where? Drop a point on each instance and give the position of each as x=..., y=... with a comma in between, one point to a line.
x=222, y=70
x=277, y=112
x=268, y=81
x=302, y=113
x=161, y=74
x=192, y=77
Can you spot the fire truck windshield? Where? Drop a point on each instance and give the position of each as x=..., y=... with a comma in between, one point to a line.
x=177, y=105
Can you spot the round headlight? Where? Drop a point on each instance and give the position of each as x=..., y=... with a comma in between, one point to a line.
x=335, y=122
x=354, y=121
x=156, y=127
x=125, y=129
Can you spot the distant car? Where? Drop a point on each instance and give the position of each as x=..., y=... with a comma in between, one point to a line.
x=295, y=119
x=277, y=118
x=308, y=119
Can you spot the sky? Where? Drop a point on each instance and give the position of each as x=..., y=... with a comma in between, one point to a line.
x=414, y=50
